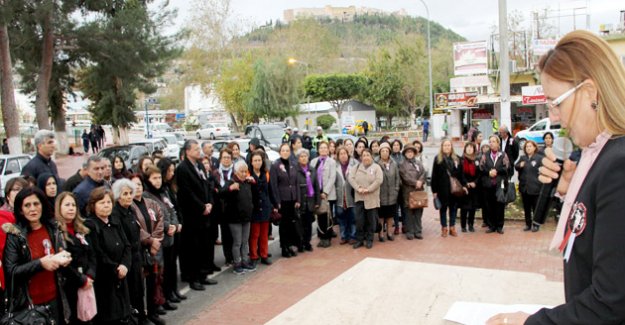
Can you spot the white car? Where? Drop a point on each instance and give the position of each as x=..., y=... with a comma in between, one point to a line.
x=173, y=147
x=213, y=131
x=537, y=131
x=244, y=144
x=10, y=167
x=158, y=128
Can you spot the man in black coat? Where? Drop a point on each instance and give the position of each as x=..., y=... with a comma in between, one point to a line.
x=76, y=179
x=509, y=146
x=207, y=149
x=42, y=162
x=195, y=204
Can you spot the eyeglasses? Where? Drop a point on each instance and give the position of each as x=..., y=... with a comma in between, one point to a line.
x=555, y=104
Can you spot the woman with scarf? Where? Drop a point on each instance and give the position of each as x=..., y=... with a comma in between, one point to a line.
x=446, y=165
x=155, y=190
x=285, y=199
x=49, y=184
x=494, y=167
x=325, y=168
x=345, y=197
x=471, y=175
x=412, y=174
x=396, y=151
x=308, y=197
x=529, y=185
x=259, y=241
x=366, y=178
x=389, y=192
x=223, y=174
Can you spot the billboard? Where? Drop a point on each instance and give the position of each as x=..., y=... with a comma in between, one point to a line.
x=470, y=58
x=533, y=95
x=447, y=100
x=542, y=46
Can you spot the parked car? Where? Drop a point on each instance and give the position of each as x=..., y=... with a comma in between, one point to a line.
x=536, y=132
x=11, y=167
x=152, y=144
x=244, y=144
x=270, y=135
x=172, y=151
x=213, y=131
x=158, y=127
x=129, y=153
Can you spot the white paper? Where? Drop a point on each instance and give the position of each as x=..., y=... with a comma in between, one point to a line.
x=476, y=313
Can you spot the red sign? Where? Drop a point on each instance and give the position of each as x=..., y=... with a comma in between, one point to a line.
x=533, y=95
x=482, y=114
x=446, y=100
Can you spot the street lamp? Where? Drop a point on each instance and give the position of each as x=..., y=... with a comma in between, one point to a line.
x=293, y=61
x=427, y=12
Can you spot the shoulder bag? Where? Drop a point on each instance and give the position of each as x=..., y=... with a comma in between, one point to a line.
x=455, y=186
x=506, y=193
x=417, y=200
x=32, y=314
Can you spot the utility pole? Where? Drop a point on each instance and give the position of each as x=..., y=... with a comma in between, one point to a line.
x=504, y=67
x=427, y=11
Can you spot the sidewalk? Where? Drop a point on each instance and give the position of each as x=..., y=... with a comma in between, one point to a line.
x=273, y=289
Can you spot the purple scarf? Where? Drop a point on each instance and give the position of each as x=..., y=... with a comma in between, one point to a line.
x=309, y=184
x=321, y=165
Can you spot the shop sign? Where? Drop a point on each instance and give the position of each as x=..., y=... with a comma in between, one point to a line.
x=533, y=95
x=482, y=114
x=464, y=99
x=470, y=58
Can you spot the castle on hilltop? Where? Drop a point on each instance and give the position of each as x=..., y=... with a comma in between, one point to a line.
x=338, y=13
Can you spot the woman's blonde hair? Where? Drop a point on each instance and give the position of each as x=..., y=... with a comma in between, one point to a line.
x=79, y=222
x=581, y=55
x=439, y=157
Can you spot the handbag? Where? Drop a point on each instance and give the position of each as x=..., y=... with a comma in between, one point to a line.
x=437, y=203
x=506, y=193
x=417, y=200
x=455, y=186
x=86, y=308
x=148, y=259
x=32, y=314
x=324, y=207
x=275, y=217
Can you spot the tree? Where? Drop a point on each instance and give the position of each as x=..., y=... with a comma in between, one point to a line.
x=325, y=121
x=233, y=88
x=384, y=87
x=10, y=115
x=274, y=92
x=126, y=53
x=334, y=88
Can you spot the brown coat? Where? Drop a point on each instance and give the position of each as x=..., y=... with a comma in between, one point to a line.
x=370, y=178
x=410, y=173
x=157, y=232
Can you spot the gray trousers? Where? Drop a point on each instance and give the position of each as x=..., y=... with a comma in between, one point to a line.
x=366, y=221
x=240, y=241
x=413, y=221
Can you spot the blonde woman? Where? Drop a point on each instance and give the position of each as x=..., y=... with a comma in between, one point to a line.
x=584, y=82
x=82, y=270
x=446, y=164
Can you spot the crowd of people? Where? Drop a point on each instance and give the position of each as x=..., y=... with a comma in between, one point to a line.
x=124, y=231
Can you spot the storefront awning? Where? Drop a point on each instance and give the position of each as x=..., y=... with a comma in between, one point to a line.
x=491, y=99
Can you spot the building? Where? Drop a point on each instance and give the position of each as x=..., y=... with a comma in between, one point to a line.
x=352, y=111
x=336, y=13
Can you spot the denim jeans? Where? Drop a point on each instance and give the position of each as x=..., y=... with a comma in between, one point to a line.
x=453, y=211
x=347, y=224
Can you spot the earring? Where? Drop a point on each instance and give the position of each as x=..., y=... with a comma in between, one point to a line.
x=594, y=105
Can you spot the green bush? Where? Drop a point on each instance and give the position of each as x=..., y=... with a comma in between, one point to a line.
x=325, y=121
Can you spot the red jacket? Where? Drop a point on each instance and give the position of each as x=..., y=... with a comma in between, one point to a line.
x=5, y=217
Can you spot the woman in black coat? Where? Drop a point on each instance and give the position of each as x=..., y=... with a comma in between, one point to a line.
x=113, y=258
x=529, y=185
x=221, y=175
x=82, y=270
x=446, y=164
x=471, y=176
x=33, y=258
x=259, y=241
x=284, y=197
x=495, y=167
x=309, y=197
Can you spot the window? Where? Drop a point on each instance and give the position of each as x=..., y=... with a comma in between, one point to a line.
x=12, y=167
x=23, y=161
x=540, y=126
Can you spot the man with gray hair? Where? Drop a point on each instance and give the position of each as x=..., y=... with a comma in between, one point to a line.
x=73, y=181
x=42, y=162
x=94, y=179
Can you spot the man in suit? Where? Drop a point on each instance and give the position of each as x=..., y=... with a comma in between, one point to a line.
x=509, y=146
x=195, y=203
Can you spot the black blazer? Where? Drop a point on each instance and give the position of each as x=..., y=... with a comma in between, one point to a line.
x=501, y=164
x=308, y=204
x=193, y=192
x=528, y=174
x=283, y=182
x=440, y=179
x=593, y=276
